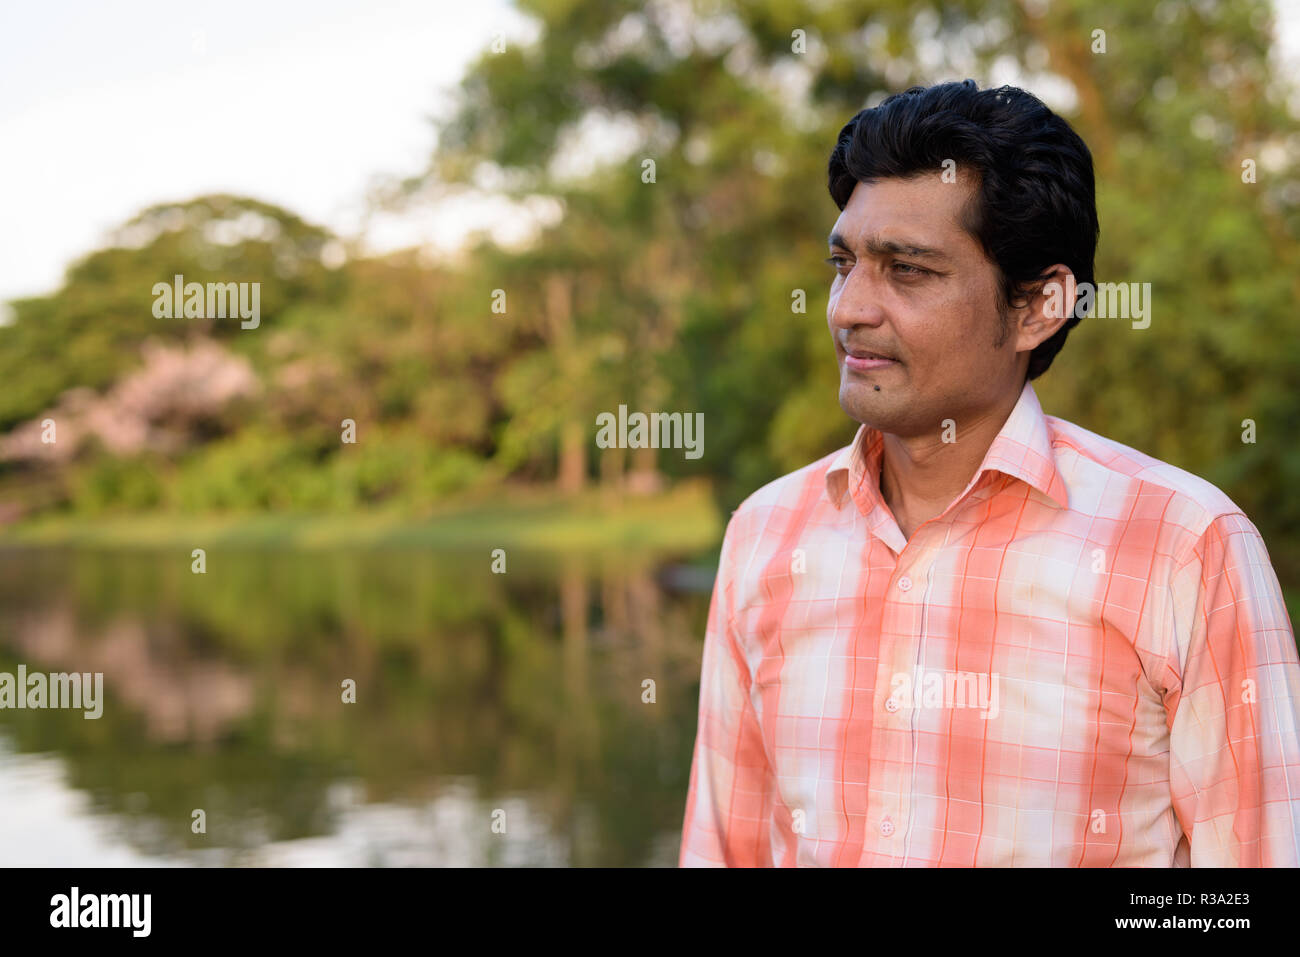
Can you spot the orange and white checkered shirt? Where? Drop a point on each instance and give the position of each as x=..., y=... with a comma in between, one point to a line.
x=1084, y=661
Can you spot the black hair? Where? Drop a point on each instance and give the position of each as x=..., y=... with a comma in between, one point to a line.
x=1035, y=204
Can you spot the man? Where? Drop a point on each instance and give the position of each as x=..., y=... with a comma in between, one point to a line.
x=979, y=635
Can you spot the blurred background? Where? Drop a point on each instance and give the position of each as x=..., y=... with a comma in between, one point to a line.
x=391, y=171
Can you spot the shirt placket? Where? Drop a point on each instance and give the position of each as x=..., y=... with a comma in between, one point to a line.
x=890, y=793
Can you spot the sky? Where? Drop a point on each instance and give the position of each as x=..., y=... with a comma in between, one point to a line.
x=106, y=109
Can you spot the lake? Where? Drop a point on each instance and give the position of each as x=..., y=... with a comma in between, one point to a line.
x=394, y=707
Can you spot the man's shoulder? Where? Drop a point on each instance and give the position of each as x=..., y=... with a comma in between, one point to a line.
x=793, y=490
x=772, y=512
x=1093, y=464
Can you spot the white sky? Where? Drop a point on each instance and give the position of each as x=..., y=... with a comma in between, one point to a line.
x=108, y=108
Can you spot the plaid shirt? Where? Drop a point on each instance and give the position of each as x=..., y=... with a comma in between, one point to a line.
x=1084, y=661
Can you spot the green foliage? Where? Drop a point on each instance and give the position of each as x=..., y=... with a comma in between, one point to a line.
x=111, y=484
x=676, y=294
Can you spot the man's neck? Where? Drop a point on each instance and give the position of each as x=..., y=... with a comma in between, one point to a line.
x=921, y=476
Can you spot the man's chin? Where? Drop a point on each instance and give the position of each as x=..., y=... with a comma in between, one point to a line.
x=865, y=405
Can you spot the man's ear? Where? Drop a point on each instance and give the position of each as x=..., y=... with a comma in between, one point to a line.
x=1043, y=306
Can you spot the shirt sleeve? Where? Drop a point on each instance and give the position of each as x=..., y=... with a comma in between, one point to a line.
x=729, y=804
x=1234, y=749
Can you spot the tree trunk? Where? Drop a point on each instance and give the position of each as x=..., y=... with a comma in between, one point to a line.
x=571, y=475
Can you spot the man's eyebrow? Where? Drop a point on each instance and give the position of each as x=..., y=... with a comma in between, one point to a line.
x=883, y=247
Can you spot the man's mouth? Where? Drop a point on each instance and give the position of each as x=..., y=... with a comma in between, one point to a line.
x=863, y=354
x=862, y=360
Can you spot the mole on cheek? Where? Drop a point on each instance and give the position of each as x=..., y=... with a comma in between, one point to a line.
x=877, y=388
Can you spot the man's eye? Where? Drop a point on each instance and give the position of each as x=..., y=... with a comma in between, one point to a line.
x=910, y=270
x=836, y=261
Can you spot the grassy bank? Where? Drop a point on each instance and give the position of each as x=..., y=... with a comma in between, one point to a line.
x=683, y=519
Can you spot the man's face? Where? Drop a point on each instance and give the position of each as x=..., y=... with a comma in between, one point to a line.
x=911, y=284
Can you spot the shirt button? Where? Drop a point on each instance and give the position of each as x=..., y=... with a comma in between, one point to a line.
x=904, y=583
x=891, y=705
x=886, y=827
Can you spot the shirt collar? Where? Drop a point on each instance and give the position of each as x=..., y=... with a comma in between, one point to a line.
x=1022, y=449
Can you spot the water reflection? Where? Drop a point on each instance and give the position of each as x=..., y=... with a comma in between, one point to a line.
x=480, y=698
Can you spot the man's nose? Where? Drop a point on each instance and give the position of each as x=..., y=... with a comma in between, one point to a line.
x=859, y=300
